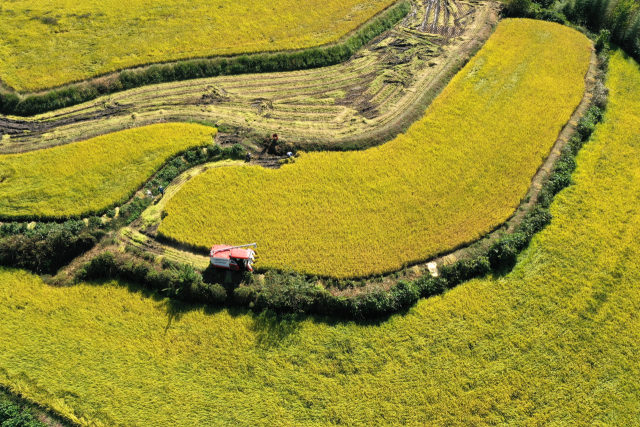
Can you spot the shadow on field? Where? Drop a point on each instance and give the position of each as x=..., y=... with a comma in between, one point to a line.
x=271, y=329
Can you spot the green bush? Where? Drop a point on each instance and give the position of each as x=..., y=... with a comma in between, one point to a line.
x=551, y=16
x=517, y=8
x=11, y=415
x=588, y=123
x=47, y=247
x=214, y=151
x=218, y=293
x=405, y=294
x=95, y=222
x=237, y=151
x=463, y=270
x=285, y=293
x=195, y=156
x=602, y=41
x=614, y=20
x=244, y=296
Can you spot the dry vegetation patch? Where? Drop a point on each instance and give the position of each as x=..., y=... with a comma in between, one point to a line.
x=455, y=175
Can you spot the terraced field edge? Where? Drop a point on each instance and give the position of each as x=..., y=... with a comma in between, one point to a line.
x=12, y=103
x=402, y=191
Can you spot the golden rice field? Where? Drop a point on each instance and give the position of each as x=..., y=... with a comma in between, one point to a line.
x=555, y=342
x=455, y=175
x=43, y=46
x=89, y=176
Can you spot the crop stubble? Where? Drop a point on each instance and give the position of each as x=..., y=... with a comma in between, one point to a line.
x=368, y=99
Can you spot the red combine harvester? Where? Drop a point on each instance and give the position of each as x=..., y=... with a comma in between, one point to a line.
x=233, y=257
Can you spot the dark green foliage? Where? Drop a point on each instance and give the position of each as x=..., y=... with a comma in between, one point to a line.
x=244, y=296
x=372, y=304
x=214, y=294
x=175, y=280
x=602, y=41
x=517, y=8
x=195, y=156
x=132, y=210
x=463, y=270
x=102, y=266
x=11, y=415
x=551, y=16
x=237, y=151
x=535, y=221
x=617, y=20
x=285, y=293
x=12, y=228
x=214, y=150
x=95, y=222
x=405, y=294
x=588, y=123
x=503, y=253
x=46, y=247
x=546, y=4
x=198, y=68
x=429, y=286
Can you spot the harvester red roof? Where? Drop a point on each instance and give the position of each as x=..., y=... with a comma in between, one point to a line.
x=218, y=251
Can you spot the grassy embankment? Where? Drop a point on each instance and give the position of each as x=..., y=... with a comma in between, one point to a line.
x=554, y=342
x=89, y=176
x=455, y=175
x=42, y=48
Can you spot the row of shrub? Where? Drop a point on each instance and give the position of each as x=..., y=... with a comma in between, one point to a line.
x=191, y=158
x=12, y=103
x=46, y=247
x=178, y=281
x=291, y=292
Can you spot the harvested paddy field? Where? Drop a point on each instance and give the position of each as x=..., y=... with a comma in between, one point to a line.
x=89, y=176
x=369, y=99
x=555, y=341
x=454, y=176
x=43, y=47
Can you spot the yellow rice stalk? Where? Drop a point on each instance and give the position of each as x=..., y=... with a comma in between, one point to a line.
x=43, y=47
x=455, y=175
x=89, y=176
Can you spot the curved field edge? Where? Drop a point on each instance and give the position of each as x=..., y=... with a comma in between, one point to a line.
x=11, y=103
x=457, y=174
x=362, y=102
x=554, y=341
x=90, y=176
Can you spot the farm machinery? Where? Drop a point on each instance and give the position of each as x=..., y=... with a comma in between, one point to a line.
x=233, y=257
